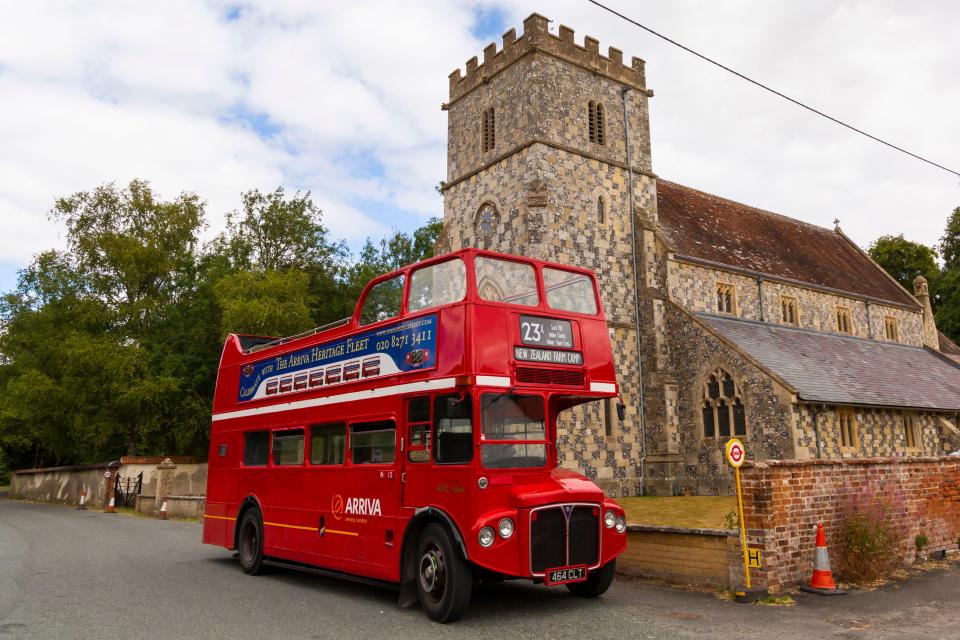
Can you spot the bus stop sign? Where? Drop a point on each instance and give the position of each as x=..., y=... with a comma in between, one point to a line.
x=736, y=454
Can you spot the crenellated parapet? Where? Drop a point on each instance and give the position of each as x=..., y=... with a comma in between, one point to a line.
x=536, y=37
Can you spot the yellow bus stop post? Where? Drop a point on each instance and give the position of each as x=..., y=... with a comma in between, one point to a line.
x=736, y=456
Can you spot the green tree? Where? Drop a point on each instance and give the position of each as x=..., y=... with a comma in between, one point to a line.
x=392, y=252
x=950, y=242
x=948, y=313
x=276, y=270
x=83, y=373
x=266, y=303
x=905, y=260
x=111, y=346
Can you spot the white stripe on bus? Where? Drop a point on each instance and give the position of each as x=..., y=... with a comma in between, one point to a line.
x=604, y=387
x=382, y=392
x=493, y=381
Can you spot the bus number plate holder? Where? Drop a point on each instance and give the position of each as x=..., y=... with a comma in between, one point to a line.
x=565, y=575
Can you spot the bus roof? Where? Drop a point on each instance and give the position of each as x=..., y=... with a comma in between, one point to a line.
x=249, y=344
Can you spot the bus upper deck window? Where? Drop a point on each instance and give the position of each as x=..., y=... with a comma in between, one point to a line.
x=506, y=281
x=437, y=285
x=373, y=442
x=569, y=291
x=383, y=301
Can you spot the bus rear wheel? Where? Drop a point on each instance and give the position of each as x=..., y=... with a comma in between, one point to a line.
x=250, y=542
x=444, y=578
x=596, y=583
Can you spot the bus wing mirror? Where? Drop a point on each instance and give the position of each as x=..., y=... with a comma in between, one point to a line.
x=621, y=411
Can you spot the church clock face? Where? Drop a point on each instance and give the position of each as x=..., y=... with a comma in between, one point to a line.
x=487, y=220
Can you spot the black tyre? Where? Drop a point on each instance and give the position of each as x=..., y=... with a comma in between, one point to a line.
x=596, y=583
x=444, y=577
x=250, y=542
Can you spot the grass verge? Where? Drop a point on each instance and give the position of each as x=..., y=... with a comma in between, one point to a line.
x=700, y=512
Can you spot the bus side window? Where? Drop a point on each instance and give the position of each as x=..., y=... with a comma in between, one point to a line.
x=256, y=448
x=373, y=442
x=288, y=447
x=327, y=443
x=453, y=429
x=418, y=429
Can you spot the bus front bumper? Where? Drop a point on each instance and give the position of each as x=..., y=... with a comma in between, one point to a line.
x=531, y=542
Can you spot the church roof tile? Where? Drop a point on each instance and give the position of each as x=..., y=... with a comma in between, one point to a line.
x=707, y=227
x=838, y=369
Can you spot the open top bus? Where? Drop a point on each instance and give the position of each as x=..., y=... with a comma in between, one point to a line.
x=415, y=443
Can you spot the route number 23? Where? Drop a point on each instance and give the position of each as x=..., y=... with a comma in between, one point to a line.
x=532, y=331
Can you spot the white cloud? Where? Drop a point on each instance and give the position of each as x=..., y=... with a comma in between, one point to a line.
x=217, y=99
x=343, y=100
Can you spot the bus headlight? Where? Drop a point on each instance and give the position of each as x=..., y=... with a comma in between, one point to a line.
x=621, y=524
x=609, y=519
x=486, y=536
x=506, y=528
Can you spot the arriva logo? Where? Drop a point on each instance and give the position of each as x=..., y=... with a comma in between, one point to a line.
x=354, y=506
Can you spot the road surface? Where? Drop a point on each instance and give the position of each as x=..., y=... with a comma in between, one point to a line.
x=85, y=574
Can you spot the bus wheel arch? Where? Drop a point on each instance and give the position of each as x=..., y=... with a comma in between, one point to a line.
x=408, y=549
x=250, y=502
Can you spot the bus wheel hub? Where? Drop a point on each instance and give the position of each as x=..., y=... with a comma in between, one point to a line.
x=432, y=572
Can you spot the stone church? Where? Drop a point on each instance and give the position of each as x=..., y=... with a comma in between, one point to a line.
x=726, y=320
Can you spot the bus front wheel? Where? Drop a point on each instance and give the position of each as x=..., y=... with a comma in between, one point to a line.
x=444, y=578
x=596, y=583
x=250, y=542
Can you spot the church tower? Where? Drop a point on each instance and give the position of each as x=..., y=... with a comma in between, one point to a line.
x=548, y=157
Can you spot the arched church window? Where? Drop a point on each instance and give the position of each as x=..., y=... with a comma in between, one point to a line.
x=487, y=219
x=724, y=413
x=601, y=211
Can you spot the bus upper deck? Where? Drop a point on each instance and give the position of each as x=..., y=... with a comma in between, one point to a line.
x=542, y=325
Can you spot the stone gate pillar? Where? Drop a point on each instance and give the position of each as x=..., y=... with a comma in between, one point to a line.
x=165, y=473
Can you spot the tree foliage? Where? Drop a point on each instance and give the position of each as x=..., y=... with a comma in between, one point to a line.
x=905, y=260
x=110, y=346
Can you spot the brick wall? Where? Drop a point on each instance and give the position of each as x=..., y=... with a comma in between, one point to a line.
x=784, y=501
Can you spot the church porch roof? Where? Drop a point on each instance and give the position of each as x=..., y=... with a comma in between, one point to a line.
x=838, y=369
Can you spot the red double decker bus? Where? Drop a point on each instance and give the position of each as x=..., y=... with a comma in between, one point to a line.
x=415, y=443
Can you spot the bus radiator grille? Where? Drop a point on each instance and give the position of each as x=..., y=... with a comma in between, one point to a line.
x=566, y=377
x=584, y=535
x=547, y=540
x=557, y=540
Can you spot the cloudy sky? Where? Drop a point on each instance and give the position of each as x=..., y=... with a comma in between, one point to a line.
x=343, y=99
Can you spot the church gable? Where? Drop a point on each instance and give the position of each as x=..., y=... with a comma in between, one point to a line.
x=707, y=228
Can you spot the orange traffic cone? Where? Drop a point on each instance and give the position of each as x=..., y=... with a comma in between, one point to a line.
x=162, y=514
x=822, y=581
x=83, y=500
x=112, y=508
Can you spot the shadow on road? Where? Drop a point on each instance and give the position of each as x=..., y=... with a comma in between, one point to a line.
x=491, y=603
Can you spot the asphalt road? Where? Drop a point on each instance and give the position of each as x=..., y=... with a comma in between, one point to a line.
x=84, y=574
